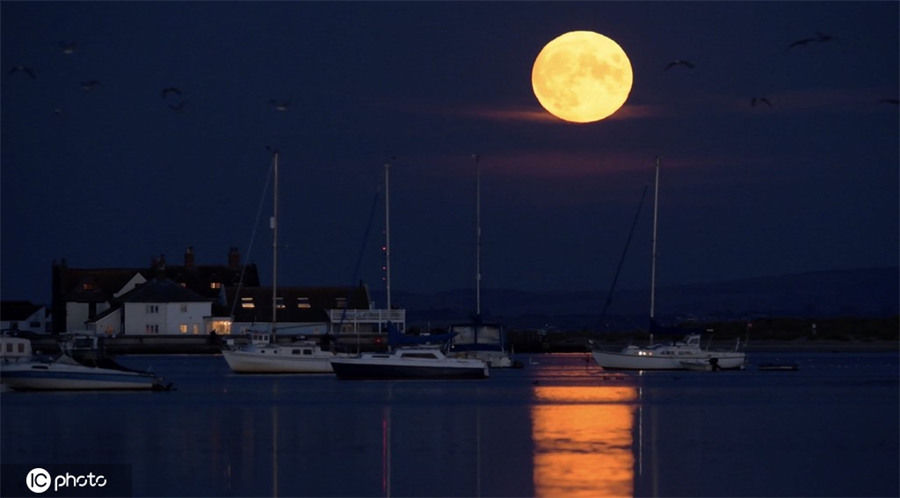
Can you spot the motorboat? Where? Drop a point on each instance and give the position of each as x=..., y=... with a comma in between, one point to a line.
x=480, y=341
x=409, y=363
x=679, y=355
x=64, y=373
x=299, y=357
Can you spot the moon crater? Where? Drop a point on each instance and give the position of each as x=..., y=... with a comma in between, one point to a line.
x=582, y=76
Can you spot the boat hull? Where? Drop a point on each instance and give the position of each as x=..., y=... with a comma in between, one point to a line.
x=495, y=359
x=255, y=362
x=723, y=360
x=360, y=369
x=88, y=379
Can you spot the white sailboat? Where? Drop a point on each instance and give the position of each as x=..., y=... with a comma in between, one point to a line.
x=479, y=340
x=686, y=354
x=263, y=354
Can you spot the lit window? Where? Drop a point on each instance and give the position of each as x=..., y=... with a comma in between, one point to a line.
x=183, y=328
x=247, y=302
x=303, y=303
x=279, y=303
x=196, y=329
x=215, y=285
x=221, y=326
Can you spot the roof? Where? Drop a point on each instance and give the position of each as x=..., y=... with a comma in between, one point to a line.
x=14, y=311
x=87, y=284
x=162, y=290
x=100, y=284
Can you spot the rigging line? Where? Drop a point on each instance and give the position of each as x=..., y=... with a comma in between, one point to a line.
x=262, y=200
x=612, y=287
x=362, y=251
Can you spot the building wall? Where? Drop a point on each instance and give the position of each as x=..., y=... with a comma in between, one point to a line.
x=166, y=318
x=110, y=324
x=282, y=329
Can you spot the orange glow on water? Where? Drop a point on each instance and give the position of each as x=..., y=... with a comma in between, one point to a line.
x=583, y=439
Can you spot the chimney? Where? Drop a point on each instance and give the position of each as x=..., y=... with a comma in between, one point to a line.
x=234, y=258
x=189, y=257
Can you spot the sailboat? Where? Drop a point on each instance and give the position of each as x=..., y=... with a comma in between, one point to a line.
x=263, y=354
x=686, y=354
x=480, y=340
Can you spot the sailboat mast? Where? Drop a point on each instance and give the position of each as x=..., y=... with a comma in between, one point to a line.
x=274, y=224
x=477, y=238
x=387, y=232
x=653, y=243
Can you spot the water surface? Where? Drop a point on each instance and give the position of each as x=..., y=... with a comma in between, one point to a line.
x=558, y=427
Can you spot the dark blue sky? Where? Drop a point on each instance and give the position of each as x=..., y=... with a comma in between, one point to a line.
x=113, y=176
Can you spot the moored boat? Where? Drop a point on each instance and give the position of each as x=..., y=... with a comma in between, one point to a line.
x=301, y=357
x=64, y=373
x=409, y=363
x=680, y=355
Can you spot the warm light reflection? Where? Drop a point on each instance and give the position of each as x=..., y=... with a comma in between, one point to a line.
x=583, y=440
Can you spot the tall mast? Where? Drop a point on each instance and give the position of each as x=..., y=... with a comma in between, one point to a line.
x=477, y=238
x=274, y=226
x=653, y=239
x=387, y=232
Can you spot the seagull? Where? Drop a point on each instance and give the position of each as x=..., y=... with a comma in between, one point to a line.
x=178, y=107
x=760, y=100
x=87, y=86
x=170, y=90
x=819, y=38
x=800, y=43
x=678, y=62
x=280, y=106
x=67, y=47
x=27, y=70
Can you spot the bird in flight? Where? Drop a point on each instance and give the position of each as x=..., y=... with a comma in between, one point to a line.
x=679, y=62
x=280, y=105
x=178, y=106
x=25, y=69
x=67, y=47
x=760, y=100
x=88, y=86
x=819, y=38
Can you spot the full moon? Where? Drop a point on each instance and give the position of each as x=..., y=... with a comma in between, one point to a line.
x=582, y=76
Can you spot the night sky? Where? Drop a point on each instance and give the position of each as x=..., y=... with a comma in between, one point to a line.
x=104, y=169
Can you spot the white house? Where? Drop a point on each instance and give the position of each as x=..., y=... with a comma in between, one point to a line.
x=158, y=307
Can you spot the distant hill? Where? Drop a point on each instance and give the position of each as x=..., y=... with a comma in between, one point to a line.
x=871, y=292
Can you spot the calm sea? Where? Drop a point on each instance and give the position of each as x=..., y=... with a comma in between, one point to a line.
x=558, y=427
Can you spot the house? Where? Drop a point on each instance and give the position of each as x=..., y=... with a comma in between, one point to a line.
x=87, y=295
x=24, y=316
x=158, y=307
x=309, y=311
